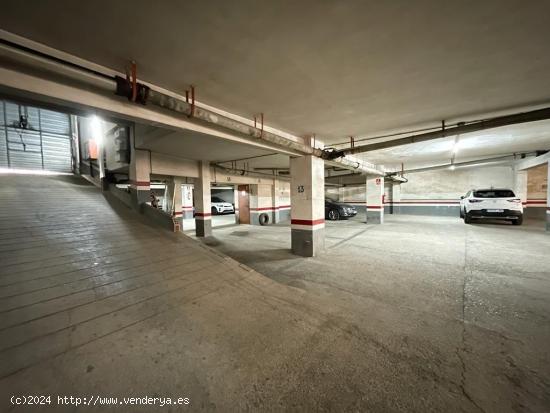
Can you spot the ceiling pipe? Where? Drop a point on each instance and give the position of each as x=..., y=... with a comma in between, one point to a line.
x=460, y=128
x=142, y=94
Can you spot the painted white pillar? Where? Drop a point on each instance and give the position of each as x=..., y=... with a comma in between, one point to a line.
x=307, y=200
x=203, y=213
x=140, y=176
x=187, y=201
x=375, y=196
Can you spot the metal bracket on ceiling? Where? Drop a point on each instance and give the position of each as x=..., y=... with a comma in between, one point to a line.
x=261, y=119
x=190, y=98
x=130, y=88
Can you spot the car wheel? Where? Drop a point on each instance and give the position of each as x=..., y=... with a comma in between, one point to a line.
x=214, y=211
x=518, y=221
x=467, y=219
x=461, y=213
x=333, y=215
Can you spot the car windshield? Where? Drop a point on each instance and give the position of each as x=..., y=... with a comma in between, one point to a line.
x=494, y=193
x=216, y=199
x=330, y=200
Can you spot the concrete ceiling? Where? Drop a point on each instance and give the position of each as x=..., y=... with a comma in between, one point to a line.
x=524, y=137
x=334, y=68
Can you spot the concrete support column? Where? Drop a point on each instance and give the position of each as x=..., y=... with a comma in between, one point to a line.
x=307, y=200
x=548, y=199
x=173, y=199
x=187, y=201
x=203, y=213
x=375, y=197
x=140, y=176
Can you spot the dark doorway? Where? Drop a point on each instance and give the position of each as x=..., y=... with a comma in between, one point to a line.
x=244, y=204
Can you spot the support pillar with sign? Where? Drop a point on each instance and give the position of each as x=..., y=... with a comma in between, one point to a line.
x=140, y=176
x=187, y=201
x=174, y=200
x=375, y=200
x=307, y=200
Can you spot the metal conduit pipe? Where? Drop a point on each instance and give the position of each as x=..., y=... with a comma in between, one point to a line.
x=356, y=165
x=20, y=54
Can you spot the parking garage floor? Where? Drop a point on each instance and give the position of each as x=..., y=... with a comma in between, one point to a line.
x=436, y=304
x=419, y=314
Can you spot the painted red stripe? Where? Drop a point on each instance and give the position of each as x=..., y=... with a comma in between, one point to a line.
x=538, y=202
x=203, y=214
x=310, y=222
x=178, y=213
x=374, y=207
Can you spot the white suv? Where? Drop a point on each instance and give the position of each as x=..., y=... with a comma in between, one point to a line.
x=219, y=206
x=491, y=204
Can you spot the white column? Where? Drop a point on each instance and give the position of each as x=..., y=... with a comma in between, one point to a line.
x=203, y=213
x=307, y=199
x=375, y=196
x=187, y=201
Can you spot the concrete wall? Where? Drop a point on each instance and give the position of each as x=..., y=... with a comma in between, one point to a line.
x=438, y=192
x=261, y=202
x=430, y=193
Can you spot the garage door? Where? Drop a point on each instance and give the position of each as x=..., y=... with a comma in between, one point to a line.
x=33, y=138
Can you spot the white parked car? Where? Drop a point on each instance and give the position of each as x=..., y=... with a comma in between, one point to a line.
x=491, y=204
x=219, y=206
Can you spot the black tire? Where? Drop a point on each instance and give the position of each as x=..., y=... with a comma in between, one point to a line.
x=467, y=218
x=461, y=213
x=518, y=221
x=214, y=211
x=264, y=219
x=333, y=215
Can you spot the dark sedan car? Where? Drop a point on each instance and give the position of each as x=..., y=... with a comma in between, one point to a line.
x=335, y=210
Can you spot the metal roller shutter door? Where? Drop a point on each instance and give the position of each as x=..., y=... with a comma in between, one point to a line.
x=45, y=144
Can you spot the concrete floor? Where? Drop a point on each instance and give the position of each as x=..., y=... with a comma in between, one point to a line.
x=419, y=314
x=439, y=315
